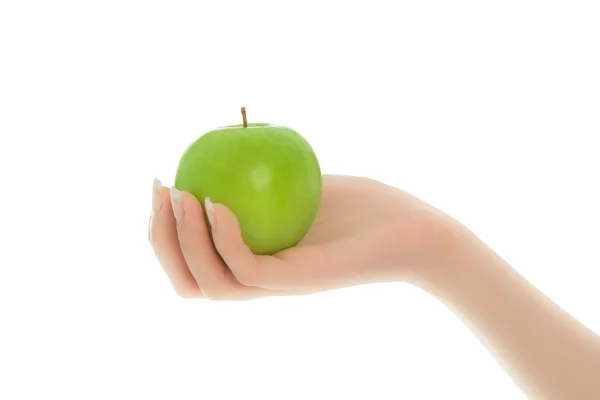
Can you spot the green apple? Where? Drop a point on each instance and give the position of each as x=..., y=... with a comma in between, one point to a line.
x=268, y=175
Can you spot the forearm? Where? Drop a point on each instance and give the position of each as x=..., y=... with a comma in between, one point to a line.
x=544, y=349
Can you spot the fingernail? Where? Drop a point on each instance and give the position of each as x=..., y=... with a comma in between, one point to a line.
x=210, y=212
x=176, y=203
x=156, y=195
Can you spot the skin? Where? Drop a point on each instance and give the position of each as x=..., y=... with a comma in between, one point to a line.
x=367, y=232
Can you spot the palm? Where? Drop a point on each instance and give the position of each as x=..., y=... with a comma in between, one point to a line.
x=348, y=204
x=356, y=227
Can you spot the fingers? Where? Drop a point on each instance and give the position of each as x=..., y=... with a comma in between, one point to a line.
x=182, y=243
x=279, y=272
x=206, y=266
x=164, y=240
x=229, y=243
x=196, y=247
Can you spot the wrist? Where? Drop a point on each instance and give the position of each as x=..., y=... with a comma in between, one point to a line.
x=455, y=252
x=426, y=245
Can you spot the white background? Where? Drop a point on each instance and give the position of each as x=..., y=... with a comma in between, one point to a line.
x=488, y=110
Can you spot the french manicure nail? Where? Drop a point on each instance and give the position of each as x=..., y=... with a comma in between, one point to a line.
x=156, y=196
x=210, y=212
x=176, y=203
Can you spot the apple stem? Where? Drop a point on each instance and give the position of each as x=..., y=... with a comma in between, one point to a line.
x=244, y=117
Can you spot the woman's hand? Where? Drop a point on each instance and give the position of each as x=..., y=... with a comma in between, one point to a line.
x=365, y=232
x=370, y=232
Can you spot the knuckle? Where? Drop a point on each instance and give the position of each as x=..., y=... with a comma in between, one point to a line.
x=246, y=277
x=149, y=233
x=153, y=237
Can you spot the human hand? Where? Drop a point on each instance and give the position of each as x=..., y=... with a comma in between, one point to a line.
x=365, y=232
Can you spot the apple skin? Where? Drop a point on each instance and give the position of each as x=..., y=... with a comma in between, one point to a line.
x=268, y=175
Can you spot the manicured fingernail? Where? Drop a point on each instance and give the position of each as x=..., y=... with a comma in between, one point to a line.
x=176, y=203
x=156, y=196
x=210, y=212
